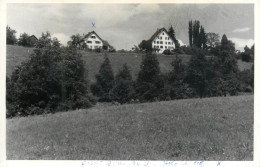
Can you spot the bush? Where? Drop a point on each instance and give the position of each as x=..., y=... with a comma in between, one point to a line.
x=167, y=52
x=51, y=78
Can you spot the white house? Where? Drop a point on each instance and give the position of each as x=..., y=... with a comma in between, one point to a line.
x=93, y=41
x=161, y=40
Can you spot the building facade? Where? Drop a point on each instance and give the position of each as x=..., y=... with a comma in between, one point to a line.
x=93, y=41
x=161, y=40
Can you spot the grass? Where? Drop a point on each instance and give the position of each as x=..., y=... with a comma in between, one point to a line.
x=219, y=128
x=93, y=60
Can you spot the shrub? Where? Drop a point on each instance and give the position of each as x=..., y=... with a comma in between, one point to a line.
x=167, y=52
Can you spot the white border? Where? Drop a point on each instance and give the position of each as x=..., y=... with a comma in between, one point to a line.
x=41, y=163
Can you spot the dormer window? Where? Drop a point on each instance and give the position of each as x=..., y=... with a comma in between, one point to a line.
x=93, y=37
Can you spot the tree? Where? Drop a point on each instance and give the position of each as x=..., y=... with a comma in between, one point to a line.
x=23, y=40
x=199, y=74
x=75, y=41
x=190, y=33
x=196, y=33
x=149, y=82
x=176, y=86
x=202, y=38
x=52, y=79
x=104, y=82
x=145, y=45
x=246, y=55
x=212, y=39
x=123, y=90
x=172, y=35
x=10, y=36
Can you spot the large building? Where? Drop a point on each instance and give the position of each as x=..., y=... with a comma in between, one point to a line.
x=93, y=41
x=161, y=40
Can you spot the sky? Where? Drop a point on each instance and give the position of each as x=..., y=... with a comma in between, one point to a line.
x=126, y=25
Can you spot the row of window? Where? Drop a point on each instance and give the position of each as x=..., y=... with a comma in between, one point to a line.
x=97, y=42
x=95, y=47
x=166, y=38
x=161, y=42
x=160, y=47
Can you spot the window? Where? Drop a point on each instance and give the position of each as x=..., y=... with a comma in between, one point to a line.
x=154, y=47
x=89, y=41
x=154, y=42
x=169, y=43
x=157, y=42
x=165, y=42
x=93, y=37
x=163, y=33
x=161, y=46
x=97, y=42
x=161, y=42
x=166, y=38
x=96, y=47
x=165, y=47
x=160, y=37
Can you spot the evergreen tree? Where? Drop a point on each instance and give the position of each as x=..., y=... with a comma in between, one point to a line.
x=203, y=39
x=104, y=82
x=172, y=34
x=123, y=88
x=149, y=82
x=196, y=33
x=190, y=33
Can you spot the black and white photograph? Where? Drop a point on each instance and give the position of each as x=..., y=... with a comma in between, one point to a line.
x=130, y=81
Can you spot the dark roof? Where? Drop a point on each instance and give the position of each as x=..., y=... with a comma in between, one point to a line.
x=92, y=32
x=158, y=32
x=33, y=36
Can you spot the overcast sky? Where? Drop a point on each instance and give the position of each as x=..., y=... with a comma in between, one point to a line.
x=126, y=25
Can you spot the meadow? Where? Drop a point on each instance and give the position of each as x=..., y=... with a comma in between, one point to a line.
x=218, y=128
x=18, y=54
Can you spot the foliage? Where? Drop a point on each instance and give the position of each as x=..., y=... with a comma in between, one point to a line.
x=104, y=82
x=53, y=79
x=149, y=82
x=197, y=35
x=10, y=36
x=212, y=40
x=123, y=89
x=172, y=35
x=145, y=45
x=176, y=86
x=24, y=40
x=248, y=54
x=190, y=33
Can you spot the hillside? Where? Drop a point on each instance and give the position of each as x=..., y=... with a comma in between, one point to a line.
x=93, y=60
x=219, y=128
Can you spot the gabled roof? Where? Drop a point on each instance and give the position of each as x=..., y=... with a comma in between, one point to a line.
x=33, y=36
x=158, y=32
x=92, y=32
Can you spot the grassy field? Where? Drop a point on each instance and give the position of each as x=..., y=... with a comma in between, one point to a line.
x=218, y=128
x=18, y=54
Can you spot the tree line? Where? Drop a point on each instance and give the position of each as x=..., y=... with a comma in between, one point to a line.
x=23, y=40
